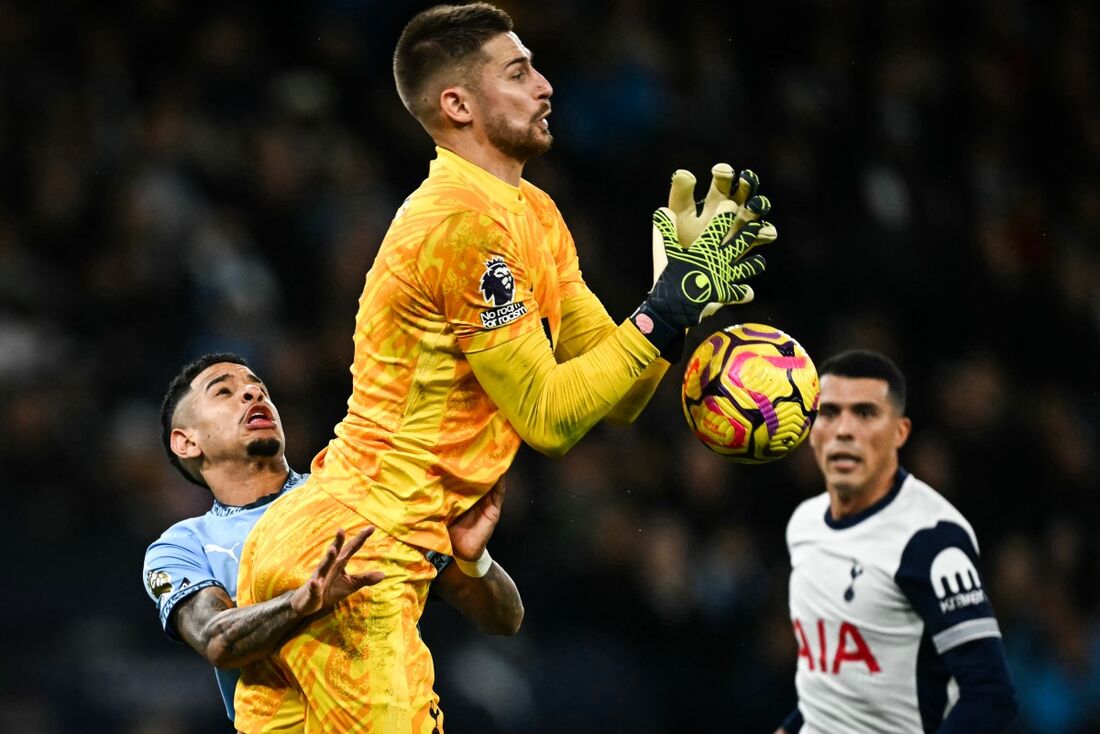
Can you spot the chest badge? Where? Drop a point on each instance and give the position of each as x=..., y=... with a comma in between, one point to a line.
x=856, y=572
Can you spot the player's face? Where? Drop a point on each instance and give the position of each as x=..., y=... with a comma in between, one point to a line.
x=514, y=100
x=857, y=434
x=231, y=414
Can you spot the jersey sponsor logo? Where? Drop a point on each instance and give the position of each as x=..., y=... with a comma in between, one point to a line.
x=955, y=580
x=159, y=583
x=214, y=548
x=849, y=647
x=856, y=572
x=498, y=287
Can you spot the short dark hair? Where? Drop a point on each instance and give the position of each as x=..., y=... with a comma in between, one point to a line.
x=177, y=391
x=438, y=38
x=857, y=363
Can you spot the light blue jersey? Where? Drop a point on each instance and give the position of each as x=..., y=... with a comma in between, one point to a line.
x=200, y=552
x=205, y=551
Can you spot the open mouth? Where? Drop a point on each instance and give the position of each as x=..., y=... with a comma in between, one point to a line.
x=259, y=416
x=843, y=460
x=541, y=119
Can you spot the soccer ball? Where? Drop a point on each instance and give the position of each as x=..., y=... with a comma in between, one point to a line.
x=750, y=393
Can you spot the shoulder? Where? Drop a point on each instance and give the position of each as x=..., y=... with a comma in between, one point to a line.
x=924, y=508
x=443, y=198
x=807, y=516
x=184, y=533
x=537, y=196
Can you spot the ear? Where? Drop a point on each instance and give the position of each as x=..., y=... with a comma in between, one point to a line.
x=904, y=427
x=182, y=441
x=457, y=105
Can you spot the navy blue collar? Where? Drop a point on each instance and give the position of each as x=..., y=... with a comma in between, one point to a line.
x=220, y=510
x=878, y=506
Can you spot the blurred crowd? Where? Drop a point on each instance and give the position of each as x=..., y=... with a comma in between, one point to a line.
x=184, y=177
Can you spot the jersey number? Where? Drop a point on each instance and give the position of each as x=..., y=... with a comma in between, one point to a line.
x=850, y=648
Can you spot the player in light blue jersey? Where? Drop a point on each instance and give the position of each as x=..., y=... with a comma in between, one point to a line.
x=895, y=632
x=223, y=432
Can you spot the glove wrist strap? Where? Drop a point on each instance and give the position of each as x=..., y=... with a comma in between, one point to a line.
x=659, y=332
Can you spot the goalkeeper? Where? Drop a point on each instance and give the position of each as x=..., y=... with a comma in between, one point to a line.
x=475, y=331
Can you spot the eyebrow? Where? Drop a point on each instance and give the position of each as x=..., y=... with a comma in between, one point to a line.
x=225, y=376
x=220, y=378
x=520, y=60
x=863, y=404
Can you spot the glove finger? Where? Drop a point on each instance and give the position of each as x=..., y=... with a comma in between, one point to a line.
x=768, y=234
x=744, y=240
x=681, y=194
x=749, y=267
x=664, y=221
x=747, y=184
x=764, y=236
x=754, y=209
x=721, y=179
x=734, y=294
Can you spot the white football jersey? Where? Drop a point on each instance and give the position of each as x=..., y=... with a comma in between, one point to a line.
x=875, y=599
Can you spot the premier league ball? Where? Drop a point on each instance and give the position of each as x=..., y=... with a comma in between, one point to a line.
x=750, y=393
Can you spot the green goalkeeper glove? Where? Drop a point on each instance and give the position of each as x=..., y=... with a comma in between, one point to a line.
x=692, y=217
x=695, y=281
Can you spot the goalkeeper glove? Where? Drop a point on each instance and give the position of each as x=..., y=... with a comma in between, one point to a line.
x=692, y=217
x=695, y=281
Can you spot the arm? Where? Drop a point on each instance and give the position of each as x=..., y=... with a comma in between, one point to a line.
x=987, y=700
x=229, y=636
x=939, y=575
x=553, y=405
x=492, y=600
x=584, y=323
x=484, y=285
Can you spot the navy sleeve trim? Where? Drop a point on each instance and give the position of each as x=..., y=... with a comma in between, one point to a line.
x=793, y=723
x=938, y=573
x=168, y=606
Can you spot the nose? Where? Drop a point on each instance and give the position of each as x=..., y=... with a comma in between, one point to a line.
x=252, y=393
x=844, y=425
x=543, y=90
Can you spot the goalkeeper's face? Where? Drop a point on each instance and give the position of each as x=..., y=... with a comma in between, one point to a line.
x=513, y=100
x=230, y=416
x=857, y=435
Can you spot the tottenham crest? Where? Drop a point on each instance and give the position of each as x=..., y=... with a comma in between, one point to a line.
x=498, y=288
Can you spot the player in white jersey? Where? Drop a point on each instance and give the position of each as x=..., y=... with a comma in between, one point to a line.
x=222, y=431
x=895, y=632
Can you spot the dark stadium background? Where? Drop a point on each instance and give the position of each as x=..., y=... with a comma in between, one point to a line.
x=181, y=177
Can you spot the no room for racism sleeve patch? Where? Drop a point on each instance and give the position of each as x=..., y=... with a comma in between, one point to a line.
x=498, y=287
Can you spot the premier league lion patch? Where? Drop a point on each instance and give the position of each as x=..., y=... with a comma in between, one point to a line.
x=498, y=287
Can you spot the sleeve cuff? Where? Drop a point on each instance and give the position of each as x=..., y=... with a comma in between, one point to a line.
x=793, y=723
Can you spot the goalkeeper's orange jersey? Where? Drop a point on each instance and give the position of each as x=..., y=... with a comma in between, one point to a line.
x=469, y=262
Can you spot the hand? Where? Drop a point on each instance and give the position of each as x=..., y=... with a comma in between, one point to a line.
x=330, y=584
x=692, y=218
x=470, y=532
x=695, y=281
